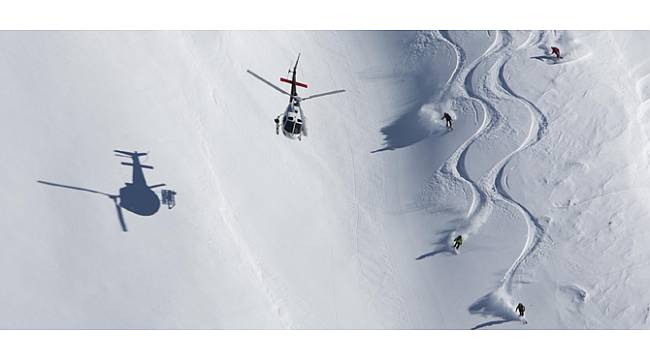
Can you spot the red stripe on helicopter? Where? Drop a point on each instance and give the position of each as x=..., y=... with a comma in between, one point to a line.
x=290, y=82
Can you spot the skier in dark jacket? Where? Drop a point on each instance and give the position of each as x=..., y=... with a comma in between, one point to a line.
x=458, y=241
x=521, y=308
x=555, y=51
x=447, y=119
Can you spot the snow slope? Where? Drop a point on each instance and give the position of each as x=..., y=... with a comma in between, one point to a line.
x=543, y=175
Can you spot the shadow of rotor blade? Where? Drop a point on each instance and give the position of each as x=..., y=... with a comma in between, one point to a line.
x=73, y=188
x=120, y=215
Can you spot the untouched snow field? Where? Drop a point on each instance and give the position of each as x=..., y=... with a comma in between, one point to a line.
x=544, y=175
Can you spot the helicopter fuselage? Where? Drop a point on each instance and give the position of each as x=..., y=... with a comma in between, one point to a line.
x=137, y=197
x=293, y=120
x=139, y=200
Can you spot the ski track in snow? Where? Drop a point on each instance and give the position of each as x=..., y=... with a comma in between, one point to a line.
x=492, y=187
x=535, y=226
x=455, y=165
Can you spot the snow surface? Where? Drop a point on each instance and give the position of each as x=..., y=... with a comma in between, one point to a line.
x=544, y=175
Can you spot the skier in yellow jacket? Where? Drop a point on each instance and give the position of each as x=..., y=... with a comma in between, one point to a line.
x=458, y=241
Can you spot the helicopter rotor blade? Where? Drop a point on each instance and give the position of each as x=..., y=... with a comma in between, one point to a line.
x=267, y=82
x=322, y=94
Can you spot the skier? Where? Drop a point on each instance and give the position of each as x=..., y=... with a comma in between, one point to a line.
x=555, y=51
x=520, y=308
x=447, y=119
x=458, y=241
x=277, y=125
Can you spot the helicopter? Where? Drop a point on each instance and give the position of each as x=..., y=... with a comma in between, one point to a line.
x=293, y=119
x=136, y=196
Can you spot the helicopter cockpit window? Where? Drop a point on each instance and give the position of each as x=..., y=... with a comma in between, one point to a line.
x=288, y=127
x=292, y=127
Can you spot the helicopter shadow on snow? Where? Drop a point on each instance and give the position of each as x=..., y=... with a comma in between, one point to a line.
x=136, y=197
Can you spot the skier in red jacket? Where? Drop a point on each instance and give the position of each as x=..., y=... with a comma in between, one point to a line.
x=555, y=51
